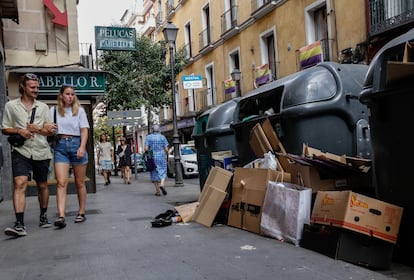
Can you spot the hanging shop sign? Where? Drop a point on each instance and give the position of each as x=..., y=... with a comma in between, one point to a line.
x=115, y=38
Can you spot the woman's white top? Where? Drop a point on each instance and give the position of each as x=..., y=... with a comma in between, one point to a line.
x=69, y=124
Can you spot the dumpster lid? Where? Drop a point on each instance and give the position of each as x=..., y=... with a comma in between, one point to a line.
x=375, y=76
x=222, y=114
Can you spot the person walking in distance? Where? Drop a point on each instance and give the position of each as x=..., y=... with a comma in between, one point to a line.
x=105, y=158
x=34, y=155
x=124, y=152
x=70, y=150
x=159, y=146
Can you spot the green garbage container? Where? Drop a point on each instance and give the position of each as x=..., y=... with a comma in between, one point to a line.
x=212, y=133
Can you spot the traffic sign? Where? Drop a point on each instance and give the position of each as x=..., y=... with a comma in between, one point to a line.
x=130, y=117
x=193, y=81
x=116, y=122
x=124, y=114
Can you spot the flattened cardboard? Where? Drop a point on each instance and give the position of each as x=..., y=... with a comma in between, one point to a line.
x=397, y=70
x=356, y=212
x=212, y=196
x=206, y=211
x=186, y=211
x=275, y=143
x=310, y=152
x=408, y=52
x=249, y=189
x=258, y=141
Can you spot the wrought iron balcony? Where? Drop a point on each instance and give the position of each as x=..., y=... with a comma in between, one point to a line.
x=205, y=38
x=169, y=6
x=260, y=8
x=389, y=14
x=229, y=20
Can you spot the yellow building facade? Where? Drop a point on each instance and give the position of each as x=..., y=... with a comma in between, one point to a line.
x=223, y=36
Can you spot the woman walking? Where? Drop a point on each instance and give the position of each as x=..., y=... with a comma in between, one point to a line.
x=105, y=157
x=159, y=146
x=124, y=152
x=72, y=131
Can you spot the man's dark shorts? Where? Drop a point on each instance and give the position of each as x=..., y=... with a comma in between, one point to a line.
x=22, y=166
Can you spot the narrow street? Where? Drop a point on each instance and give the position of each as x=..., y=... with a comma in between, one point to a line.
x=118, y=242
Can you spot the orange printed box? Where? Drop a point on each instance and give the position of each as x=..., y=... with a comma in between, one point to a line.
x=360, y=213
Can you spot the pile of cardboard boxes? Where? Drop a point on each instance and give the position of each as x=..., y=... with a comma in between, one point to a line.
x=343, y=223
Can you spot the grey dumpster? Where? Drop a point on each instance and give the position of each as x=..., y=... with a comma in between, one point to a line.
x=212, y=133
x=391, y=104
x=318, y=106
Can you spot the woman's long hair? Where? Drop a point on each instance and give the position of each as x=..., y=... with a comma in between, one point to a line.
x=61, y=104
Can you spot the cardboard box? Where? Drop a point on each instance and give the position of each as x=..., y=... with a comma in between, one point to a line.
x=227, y=163
x=349, y=246
x=221, y=154
x=212, y=196
x=308, y=176
x=397, y=70
x=264, y=139
x=357, y=212
x=259, y=142
x=248, y=192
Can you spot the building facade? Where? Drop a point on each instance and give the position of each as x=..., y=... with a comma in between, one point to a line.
x=41, y=37
x=262, y=40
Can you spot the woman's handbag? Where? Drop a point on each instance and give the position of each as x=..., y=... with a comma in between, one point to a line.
x=16, y=140
x=148, y=158
x=53, y=139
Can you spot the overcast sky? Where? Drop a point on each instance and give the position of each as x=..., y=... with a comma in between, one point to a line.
x=93, y=13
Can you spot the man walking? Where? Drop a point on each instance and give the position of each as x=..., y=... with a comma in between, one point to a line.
x=27, y=117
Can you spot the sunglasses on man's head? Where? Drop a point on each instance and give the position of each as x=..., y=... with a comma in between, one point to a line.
x=30, y=76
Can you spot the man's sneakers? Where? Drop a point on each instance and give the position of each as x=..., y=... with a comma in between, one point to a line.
x=44, y=222
x=17, y=230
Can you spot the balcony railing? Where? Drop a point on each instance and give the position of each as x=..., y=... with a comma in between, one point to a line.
x=203, y=99
x=158, y=19
x=204, y=38
x=262, y=7
x=388, y=14
x=169, y=6
x=188, y=50
x=229, y=19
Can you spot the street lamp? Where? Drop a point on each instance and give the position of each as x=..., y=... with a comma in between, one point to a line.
x=170, y=34
x=236, y=76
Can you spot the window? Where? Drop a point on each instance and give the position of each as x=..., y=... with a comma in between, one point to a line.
x=187, y=38
x=268, y=44
x=317, y=27
x=211, y=95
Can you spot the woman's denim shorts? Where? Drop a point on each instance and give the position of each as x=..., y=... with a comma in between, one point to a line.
x=66, y=151
x=106, y=164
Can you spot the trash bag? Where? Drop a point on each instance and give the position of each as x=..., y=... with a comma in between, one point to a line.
x=164, y=219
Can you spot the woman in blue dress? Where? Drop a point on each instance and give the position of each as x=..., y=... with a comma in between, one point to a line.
x=159, y=146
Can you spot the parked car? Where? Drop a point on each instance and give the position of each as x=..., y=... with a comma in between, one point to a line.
x=138, y=161
x=189, y=166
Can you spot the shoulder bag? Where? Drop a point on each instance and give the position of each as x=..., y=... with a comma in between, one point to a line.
x=53, y=139
x=16, y=140
x=148, y=158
